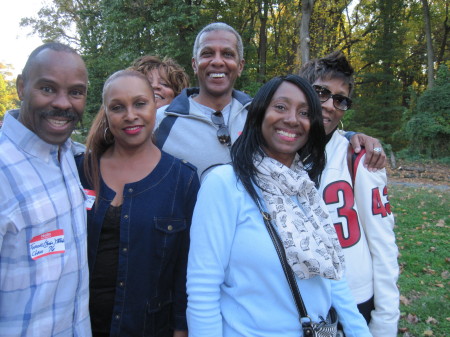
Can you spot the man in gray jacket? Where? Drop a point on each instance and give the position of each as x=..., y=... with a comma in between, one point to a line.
x=201, y=123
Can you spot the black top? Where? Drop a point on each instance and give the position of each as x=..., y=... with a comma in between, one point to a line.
x=103, y=278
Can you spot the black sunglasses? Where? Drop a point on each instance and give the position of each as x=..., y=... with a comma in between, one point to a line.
x=223, y=135
x=340, y=102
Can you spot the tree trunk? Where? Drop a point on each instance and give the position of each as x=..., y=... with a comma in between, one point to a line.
x=262, y=50
x=307, y=8
x=446, y=28
x=430, y=54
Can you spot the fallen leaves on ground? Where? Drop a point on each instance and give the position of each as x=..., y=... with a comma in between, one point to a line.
x=404, y=300
x=413, y=319
x=429, y=271
x=440, y=223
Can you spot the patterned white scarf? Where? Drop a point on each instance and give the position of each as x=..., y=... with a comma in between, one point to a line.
x=308, y=235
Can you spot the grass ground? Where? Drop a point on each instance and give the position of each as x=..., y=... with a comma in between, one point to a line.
x=422, y=231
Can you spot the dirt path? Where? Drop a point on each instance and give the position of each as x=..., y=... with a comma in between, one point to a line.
x=418, y=175
x=418, y=185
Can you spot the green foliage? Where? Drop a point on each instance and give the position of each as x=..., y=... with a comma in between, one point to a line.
x=429, y=127
x=383, y=39
x=422, y=233
x=443, y=76
x=378, y=101
x=407, y=155
x=58, y=21
x=131, y=29
x=329, y=16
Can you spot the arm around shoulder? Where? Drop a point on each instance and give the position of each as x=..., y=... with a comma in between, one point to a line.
x=375, y=156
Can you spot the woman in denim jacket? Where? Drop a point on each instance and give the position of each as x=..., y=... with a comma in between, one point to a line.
x=140, y=203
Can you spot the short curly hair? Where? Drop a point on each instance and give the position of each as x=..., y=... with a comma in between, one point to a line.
x=170, y=70
x=334, y=65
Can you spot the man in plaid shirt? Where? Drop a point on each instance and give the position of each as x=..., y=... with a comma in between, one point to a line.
x=43, y=256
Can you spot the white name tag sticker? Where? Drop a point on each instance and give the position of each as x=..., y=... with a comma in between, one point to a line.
x=90, y=199
x=47, y=244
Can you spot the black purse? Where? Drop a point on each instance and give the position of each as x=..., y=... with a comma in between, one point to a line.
x=326, y=327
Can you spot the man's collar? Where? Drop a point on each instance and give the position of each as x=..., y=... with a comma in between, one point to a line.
x=27, y=140
x=180, y=104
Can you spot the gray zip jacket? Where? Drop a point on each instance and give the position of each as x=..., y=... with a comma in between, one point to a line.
x=188, y=134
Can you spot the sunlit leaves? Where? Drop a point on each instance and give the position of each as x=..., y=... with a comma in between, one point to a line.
x=8, y=94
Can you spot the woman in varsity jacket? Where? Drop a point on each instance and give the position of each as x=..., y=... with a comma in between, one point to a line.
x=358, y=202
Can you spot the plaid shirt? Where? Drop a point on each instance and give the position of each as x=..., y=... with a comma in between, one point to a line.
x=43, y=255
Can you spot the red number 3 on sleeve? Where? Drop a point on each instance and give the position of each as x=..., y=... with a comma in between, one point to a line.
x=339, y=194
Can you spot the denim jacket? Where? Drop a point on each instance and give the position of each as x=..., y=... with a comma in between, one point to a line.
x=150, y=298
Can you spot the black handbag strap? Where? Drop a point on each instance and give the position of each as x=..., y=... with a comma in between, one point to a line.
x=305, y=320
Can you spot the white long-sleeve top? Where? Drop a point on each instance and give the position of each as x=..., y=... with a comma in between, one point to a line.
x=364, y=223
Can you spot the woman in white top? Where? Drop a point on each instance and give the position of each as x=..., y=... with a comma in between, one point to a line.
x=358, y=202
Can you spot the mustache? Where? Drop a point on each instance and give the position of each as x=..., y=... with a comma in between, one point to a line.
x=69, y=114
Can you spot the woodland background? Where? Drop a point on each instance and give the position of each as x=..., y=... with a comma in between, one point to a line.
x=400, y=50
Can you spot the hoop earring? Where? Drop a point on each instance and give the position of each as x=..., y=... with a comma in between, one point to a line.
x=109, y=138
x=342, y=125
